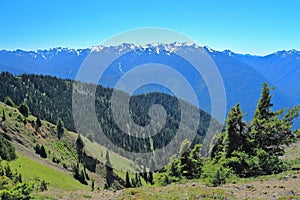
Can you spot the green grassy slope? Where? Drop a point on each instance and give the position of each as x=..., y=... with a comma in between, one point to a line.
x=32, y=170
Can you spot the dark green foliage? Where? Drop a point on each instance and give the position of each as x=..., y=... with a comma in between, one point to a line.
x=109, y=170
x=144, y=174
x=79, y=174
x=38, y=122
x=44, y=186
x=150, y=178
x=107, y=159
x=236, y=130
x=234, y=137
x=8, y=172
x=187, y=166
x=9, y=102
x=56, y=160
x=76, y=171
x=79, y=144
x=127, y=180
x=138, y=181
x=43, y=153
x=3, y=116
x=1, y=169
x=40, y=150
x=7, y=150
x=60, y=128
x=37, y=149
x=82, y=177
x=79, y=147
x=17, y=192
x=93, y=185
x=255, y=149
x=270, y=130
x=215, y=173
x=24, y=109
x=18, y=178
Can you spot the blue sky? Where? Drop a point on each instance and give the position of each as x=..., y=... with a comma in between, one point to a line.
x=256, y=27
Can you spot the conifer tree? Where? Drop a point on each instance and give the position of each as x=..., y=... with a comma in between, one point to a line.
x=60, y=128
x=24, y=109
x=233, y=138
x=256, y=149
x=235, y=128
x=3, y=116
x=38, y=122
x=127, y=180
x=8, y=172
x=43, y=153
x=150, y=178
x=79, y=146
x=109, y=170
x=269, y=130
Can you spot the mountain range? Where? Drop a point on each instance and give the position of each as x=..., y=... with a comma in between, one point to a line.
x=242, y=74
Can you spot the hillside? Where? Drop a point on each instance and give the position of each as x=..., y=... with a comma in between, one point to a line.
x=25, y=134
x=56, y=167
x=50, y=98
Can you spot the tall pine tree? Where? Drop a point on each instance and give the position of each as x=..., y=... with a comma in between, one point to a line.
x=233, y=139
x=60, y=128
x=109, y=170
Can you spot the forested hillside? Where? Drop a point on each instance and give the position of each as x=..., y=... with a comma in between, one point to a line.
x=50, y=98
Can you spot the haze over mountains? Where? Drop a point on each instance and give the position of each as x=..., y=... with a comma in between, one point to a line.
x=242, y=75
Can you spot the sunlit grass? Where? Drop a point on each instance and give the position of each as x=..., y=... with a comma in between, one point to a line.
x=32, y=170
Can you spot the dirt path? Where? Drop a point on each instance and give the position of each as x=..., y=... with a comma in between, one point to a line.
x=269, y=189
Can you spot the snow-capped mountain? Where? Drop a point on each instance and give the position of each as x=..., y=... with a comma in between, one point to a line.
x=56, y=61
x=243, y=75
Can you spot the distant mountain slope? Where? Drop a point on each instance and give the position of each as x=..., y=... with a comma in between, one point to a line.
x=243, y=75
x=60, y=62
x=282, y=69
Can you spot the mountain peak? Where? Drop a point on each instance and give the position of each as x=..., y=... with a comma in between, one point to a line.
x=228, y=52
x=287, y=52
x=208, y=49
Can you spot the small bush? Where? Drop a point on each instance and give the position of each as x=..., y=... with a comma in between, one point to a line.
x=215, y=174
x=24, y=109
x=7, y=150
x=43, y=186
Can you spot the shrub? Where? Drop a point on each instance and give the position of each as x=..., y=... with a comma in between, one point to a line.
x=7, y=151
x=215, y=174
x=24, y=109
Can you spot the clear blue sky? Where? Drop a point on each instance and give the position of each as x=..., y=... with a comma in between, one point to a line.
x=252, y=26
